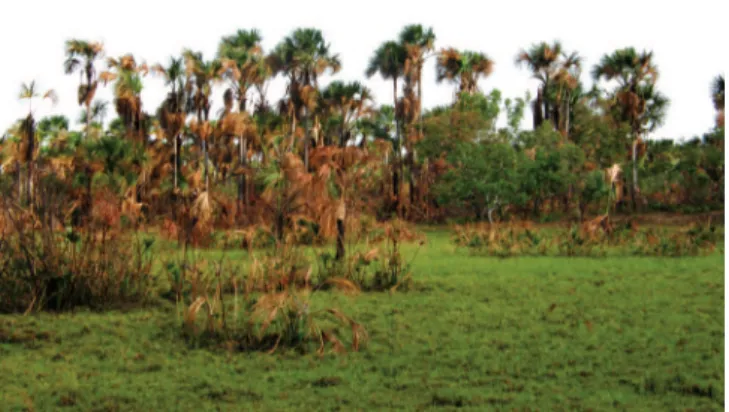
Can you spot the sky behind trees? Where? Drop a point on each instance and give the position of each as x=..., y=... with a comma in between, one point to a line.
x=683, y=37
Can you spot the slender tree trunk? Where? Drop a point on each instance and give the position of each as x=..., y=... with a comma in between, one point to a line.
x=398, y=151
x=420, y=101
x=341, y=214
x=243, y=187
x=537, y=117
x=205, y=165
x=546, y=101
x=18, y=181
x=177, y=156
x=29, y=182
x=293, y=131
x=88, y=120
x=306, y=139
x=30, y=130
x=567, y=116
x=634, y=187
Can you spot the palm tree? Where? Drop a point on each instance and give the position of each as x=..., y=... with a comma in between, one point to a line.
x=349, y=102
x=417, y=41
x=463, y=68
x=635, y=100
x=241, y=55
x=542, y=59
x=245, y=66
x=81, y=55
x=201, y=76
x=127, y=93
x=174, y=109
x=717, y=96
x=389, y=61
x=98, y=112
x=566, y=82
x=303, y=56
x=29, y=91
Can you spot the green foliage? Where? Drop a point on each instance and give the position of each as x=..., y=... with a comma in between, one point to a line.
x=484, y=177
x=594, y=189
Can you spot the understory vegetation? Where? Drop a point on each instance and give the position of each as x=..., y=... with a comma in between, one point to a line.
x=629, y=332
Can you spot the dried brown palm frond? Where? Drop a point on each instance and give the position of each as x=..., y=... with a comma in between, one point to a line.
x=234, y=124
x=613, y=173
x=203, y=130
x=202, y=209
x=107, y=76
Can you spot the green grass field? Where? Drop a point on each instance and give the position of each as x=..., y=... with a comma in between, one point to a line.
x=477, y=333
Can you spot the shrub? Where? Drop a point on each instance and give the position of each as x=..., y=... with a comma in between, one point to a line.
x=46, y=269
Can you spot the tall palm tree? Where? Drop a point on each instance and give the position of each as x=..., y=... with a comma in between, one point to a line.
x=174, y=109
x=635, y=100
x=543, y=61
x=303, y=56
x=241, y=55
x=99, y=109
x=417, y=41
x=565, y=84
x=349, y=102
x=389, y=61
x=201, y=76
x=245, y=66
x=127, y=93
x=81, y=56
x=29, y=91
x=463, y=68
x=717, y=96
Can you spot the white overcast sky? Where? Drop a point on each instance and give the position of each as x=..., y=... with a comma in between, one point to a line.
x=685, y=38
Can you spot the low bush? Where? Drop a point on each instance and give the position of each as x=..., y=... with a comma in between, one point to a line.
x=42, y=268
x=597, y=238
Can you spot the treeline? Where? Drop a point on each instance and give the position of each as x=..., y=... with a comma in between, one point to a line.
x=326, y=154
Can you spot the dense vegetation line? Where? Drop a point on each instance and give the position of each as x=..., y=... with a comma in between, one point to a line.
x=447, y=162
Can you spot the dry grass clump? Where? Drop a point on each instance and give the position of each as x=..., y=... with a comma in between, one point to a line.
x=43, y=268
x=594, y=238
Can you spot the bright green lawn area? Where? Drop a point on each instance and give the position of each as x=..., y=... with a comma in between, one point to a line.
x=477, y=333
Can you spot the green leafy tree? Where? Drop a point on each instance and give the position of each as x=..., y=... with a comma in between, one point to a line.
x=483, y=178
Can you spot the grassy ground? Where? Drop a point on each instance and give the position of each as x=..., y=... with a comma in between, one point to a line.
x=476, y=333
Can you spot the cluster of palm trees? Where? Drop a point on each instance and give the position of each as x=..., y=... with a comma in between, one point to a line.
x=190, y=143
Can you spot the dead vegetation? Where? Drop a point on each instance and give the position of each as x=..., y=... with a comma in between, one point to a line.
x=598, y=237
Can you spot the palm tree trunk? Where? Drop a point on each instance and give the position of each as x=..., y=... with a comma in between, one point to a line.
x=537, y=117
x=634, y=187
x=306, y=139
x=18, y=182
x=29, y=182
x=420, y=101
x=341, y=213
x=567, y=115
x=88, y=120
x=177, y=156
x=546, y=100
x=30, y=131
x=242, y=188
x=397, y=163
x=205, y=165
x=293, y=130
